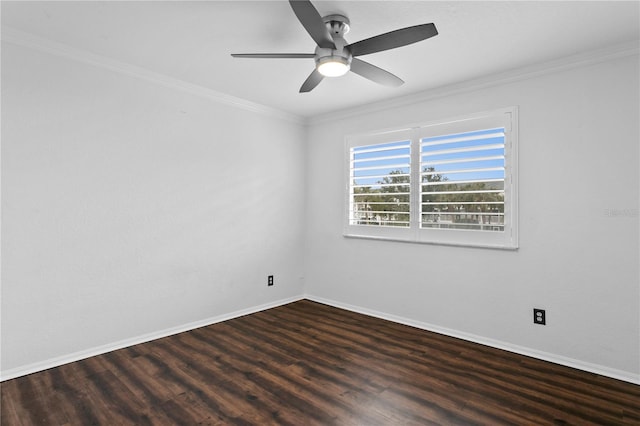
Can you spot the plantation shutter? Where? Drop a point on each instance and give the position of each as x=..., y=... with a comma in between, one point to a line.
x=380, y=178
x=451, y=182
x=462, y=180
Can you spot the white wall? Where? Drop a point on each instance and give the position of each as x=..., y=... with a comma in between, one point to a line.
x=129, y=208
x=579, y=160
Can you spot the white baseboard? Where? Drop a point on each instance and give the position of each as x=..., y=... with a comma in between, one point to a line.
x=77, y=356
x=545, y=356
x=557, y=359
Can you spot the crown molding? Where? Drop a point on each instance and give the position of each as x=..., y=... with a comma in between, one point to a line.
x=31, y=41
x=510, y=76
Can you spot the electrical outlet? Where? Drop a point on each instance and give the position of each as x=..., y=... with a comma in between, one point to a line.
x=270, y=280
x=539, y=316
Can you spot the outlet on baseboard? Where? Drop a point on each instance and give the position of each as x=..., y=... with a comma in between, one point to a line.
x=539, y=316
x=270, y=280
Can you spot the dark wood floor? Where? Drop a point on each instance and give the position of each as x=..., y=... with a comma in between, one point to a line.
x=306, y=363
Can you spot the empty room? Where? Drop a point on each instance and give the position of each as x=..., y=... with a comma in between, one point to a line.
x=320, y=213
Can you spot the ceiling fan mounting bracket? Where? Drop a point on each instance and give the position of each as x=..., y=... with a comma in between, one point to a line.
x=338, y=25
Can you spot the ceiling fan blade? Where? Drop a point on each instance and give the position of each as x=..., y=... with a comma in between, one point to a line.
x=312, y=22
x=393, y=39
x=273, y=55
x=373, y=73
x=311, y=82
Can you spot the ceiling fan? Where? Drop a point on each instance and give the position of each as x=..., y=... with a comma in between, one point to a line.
x=334, y=56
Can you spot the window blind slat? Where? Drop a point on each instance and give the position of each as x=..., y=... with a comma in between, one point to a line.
x=385, y=202
x=489, y=191
x=402, y=145
x=461, y=213
x=379, y=194
x=449, y=140
x=448, y=203
x=379, y=176
x=382, y=167
x=375, y=159
x=462, y=150
x=465, y=160
x=448, y=172
x=460, y=182
x=382, y=185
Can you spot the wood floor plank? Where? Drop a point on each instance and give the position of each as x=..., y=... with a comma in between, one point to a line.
x=393, y=372
x=11, y=411
x=311, y=364
x=233, y=367
x=359, y=372
x=295, y=388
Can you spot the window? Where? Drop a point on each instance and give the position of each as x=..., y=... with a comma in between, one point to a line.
x=452, y=182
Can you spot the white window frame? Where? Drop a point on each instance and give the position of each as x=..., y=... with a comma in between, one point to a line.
x=506, y=118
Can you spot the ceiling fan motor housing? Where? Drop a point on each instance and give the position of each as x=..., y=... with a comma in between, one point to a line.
x=338, y=26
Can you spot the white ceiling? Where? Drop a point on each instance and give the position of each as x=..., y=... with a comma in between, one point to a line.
x=192, y=41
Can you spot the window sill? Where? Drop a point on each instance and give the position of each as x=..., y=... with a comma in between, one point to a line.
x=436, y=243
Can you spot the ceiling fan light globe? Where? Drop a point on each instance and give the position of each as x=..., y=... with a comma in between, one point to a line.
x=333, y=66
